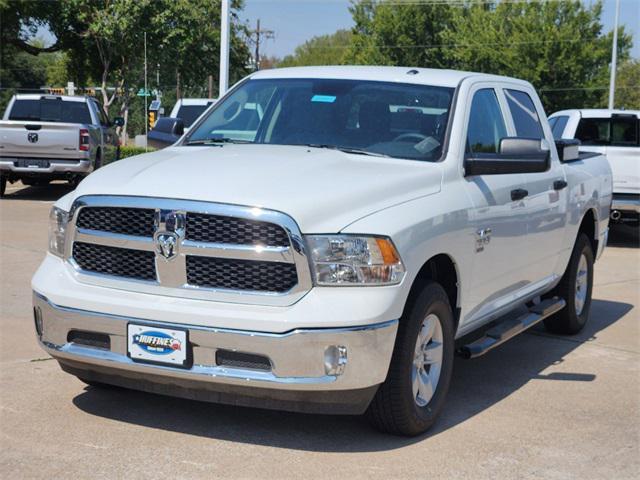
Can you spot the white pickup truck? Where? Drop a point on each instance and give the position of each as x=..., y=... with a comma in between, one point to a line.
x=332, y=256
x=54, y=137
x=615, y=134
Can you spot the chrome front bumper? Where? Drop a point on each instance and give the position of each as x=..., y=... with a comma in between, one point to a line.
x=298, y=358
x=626, y=203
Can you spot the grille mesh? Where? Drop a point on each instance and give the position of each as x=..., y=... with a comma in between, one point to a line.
x=240, y=274
x=220, y=229
x=242, y=360
x=128, y=221
x=121, y=262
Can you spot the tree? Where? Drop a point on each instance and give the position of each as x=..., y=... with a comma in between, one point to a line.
x=628, y=85
x=104, y=40
x=558, y=46
x=392, y=33
x=321, y=50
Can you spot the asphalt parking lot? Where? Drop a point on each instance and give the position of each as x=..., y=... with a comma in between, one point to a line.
x=541, y=406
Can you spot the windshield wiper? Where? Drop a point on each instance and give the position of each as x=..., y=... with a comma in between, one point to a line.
x=356, y=151
x=216, y=141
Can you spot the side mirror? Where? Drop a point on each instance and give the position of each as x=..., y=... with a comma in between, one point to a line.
x=171, y=126
x=568, y=149
x=118, y=121
x=517, y=155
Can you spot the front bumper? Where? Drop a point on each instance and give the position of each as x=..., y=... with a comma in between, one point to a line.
x=298, y=378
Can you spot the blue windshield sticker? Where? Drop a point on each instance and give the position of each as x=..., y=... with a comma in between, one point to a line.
x=323, y=98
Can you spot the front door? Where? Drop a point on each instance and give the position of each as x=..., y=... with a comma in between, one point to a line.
x=500, y=257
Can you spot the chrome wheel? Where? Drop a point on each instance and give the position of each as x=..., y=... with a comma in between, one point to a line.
x=427, y=360
x=582, y=284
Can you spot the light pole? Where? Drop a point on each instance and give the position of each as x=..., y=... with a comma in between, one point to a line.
x=614, y=58
x=225, y=19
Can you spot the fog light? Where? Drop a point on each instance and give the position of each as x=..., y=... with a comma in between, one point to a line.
x=37, y=317
x=335, y=359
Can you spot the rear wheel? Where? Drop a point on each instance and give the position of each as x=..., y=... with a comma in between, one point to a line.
x=411, y=398
x=575, y=288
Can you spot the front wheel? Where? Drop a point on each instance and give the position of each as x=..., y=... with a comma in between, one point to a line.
x=575, y=288
x=3, y=185
x=411, y=398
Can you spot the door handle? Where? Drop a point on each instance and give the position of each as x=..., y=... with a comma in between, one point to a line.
x=518, y=194
x=559, y=184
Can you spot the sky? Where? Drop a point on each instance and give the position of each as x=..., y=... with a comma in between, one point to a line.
x=295, y=21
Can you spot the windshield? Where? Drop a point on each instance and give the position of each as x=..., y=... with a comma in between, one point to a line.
x=190, y=113
x=391, y=119
x=50, y=110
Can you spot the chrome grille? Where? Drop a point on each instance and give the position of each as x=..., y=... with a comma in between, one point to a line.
x=188, y=249
x=120, y=262
x=127, y=221
x=217, y=229
x=241, y=274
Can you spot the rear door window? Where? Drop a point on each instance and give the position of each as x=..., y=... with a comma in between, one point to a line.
x=50, y=110
x=486, y=123
x=620, y=130
x=524, y=114
x=624, y=130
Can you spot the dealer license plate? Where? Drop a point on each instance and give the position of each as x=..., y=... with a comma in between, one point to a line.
x=157, y=345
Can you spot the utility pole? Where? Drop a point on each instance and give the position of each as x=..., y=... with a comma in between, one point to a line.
x=260, y=35
x=146, y=105
x=177, y=85
x=614, y=58
x=225, y=20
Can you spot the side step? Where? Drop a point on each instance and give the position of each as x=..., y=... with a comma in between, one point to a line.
x=510, y=328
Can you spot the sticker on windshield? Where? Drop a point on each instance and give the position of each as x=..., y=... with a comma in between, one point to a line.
x=323, y=98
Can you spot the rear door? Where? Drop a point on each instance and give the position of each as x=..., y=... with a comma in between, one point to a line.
x=44, y=128
x=547, y=191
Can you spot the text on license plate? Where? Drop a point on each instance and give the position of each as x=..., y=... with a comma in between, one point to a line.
x=155, y=344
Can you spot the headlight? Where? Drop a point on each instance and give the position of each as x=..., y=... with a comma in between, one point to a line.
x=57, y=228
x=354, y=260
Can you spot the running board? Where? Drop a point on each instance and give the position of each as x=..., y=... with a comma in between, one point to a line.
x=510, y=328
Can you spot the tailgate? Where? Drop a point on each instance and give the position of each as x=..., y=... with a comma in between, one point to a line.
x=40, y=139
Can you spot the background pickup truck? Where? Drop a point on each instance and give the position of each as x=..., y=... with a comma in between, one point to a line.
x=331, y=251
x=615, y=134
x=168, y=130
x=44, y=138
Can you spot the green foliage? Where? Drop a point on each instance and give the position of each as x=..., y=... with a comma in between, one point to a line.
x=559, y=46
x=130, y=151
x=628, y=85
x=104, y=41
x=321, y=50
x=390, y=33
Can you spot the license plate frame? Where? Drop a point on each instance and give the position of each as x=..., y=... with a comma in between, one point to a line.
x=32, y=163
x=155, y=345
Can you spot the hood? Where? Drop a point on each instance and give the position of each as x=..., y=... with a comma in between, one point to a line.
x=323, y=190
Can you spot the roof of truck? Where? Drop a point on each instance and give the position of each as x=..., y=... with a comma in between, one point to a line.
x=596, y=112
x=424, y=76
x=38, y=96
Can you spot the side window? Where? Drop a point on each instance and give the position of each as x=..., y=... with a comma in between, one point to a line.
x=523, y=112
x=486, y=124
x=558, y=125
x=104, y=120
x=624, y=130
x=593, y=131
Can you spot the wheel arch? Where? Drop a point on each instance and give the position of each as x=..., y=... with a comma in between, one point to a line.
x=589, y=226
x=442, y=269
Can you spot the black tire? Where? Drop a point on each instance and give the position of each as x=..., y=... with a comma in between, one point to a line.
x=3, y=185
x=98, y=161
x=569, y=321
x=394, y=409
